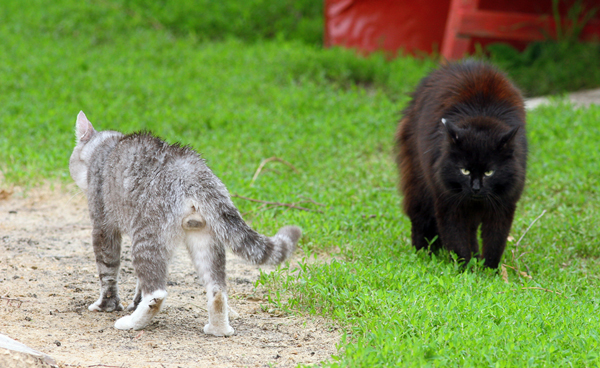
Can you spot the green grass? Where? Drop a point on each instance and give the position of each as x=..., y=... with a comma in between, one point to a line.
x=407, y=309
x=333, y=117
x=550, y=67
x=249, y=20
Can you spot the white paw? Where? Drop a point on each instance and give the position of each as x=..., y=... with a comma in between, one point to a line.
x=233, y=314
x=148, y=307
x=131, y=307
x=219, y=331
x=108, y=305
x=95, y=307
x=125, y=323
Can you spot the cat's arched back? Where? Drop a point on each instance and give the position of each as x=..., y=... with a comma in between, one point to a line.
x=462, y=152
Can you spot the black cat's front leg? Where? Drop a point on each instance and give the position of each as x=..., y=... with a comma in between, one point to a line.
x=455, y=232
x=494, y=232
x=424, y=232
x=107, y=248
x=473, y=241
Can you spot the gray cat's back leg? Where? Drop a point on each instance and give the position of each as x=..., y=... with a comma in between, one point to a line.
x=150, y=258
x=107, y=249
x=209, y=259
x=136, y=299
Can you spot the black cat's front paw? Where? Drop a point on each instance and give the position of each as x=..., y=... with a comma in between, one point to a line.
x=111, y=304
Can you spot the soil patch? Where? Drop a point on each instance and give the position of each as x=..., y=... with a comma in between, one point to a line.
x=48, y=278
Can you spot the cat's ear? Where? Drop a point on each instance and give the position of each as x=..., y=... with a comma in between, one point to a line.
x=453, y=131
x=507, y=138
x=83, y=128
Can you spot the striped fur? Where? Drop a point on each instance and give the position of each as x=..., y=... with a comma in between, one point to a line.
x=162, y=195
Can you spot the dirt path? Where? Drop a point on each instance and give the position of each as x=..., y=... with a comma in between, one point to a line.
x=48, y=278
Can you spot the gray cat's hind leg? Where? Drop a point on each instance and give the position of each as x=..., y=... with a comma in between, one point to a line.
x=218, y=318
x=136, y=299
x=209, y=259
x=107, y=248
x=150, y=262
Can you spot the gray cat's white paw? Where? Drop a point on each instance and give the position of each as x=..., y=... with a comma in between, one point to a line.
x=233, y=314
x=108, y=305
x=132, y=322
x=131, y=307
x=125, y=323
x=95, y=307
x=146, y=309
x=218, y=331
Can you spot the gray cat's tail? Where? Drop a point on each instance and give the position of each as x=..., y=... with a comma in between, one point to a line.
x=257, y=248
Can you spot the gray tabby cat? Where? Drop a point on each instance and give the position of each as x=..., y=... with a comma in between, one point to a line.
x=162, y=195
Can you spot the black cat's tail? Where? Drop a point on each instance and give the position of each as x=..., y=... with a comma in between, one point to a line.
x=230, y=229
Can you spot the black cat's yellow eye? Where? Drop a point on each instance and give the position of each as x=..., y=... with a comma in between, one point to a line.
x=489, y=173
x=465, y=171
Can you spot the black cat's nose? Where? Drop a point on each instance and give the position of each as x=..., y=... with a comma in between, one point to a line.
x=476, y=185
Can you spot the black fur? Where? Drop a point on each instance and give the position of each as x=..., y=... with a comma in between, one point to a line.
x=465, y=121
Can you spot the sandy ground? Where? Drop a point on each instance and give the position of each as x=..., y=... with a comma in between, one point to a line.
x=48, y=278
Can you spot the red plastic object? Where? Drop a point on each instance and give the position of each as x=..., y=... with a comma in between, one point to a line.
x=391, y=25
x=454, y=26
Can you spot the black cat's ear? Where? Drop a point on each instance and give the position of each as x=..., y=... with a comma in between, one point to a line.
x=452, y=130
x=507, y=138
x=83, y=128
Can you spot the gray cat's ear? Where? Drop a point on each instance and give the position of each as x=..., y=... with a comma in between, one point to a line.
x=83, y=128
x=508, y=138
x=453, y=132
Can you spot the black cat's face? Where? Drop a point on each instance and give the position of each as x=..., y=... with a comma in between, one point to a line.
x=479, y=162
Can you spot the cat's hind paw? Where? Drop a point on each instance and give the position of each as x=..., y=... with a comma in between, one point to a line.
x=233, y=314
x=226, y=330
x=124, y=323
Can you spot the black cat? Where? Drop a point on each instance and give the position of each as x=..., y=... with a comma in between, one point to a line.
x=462, y=152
